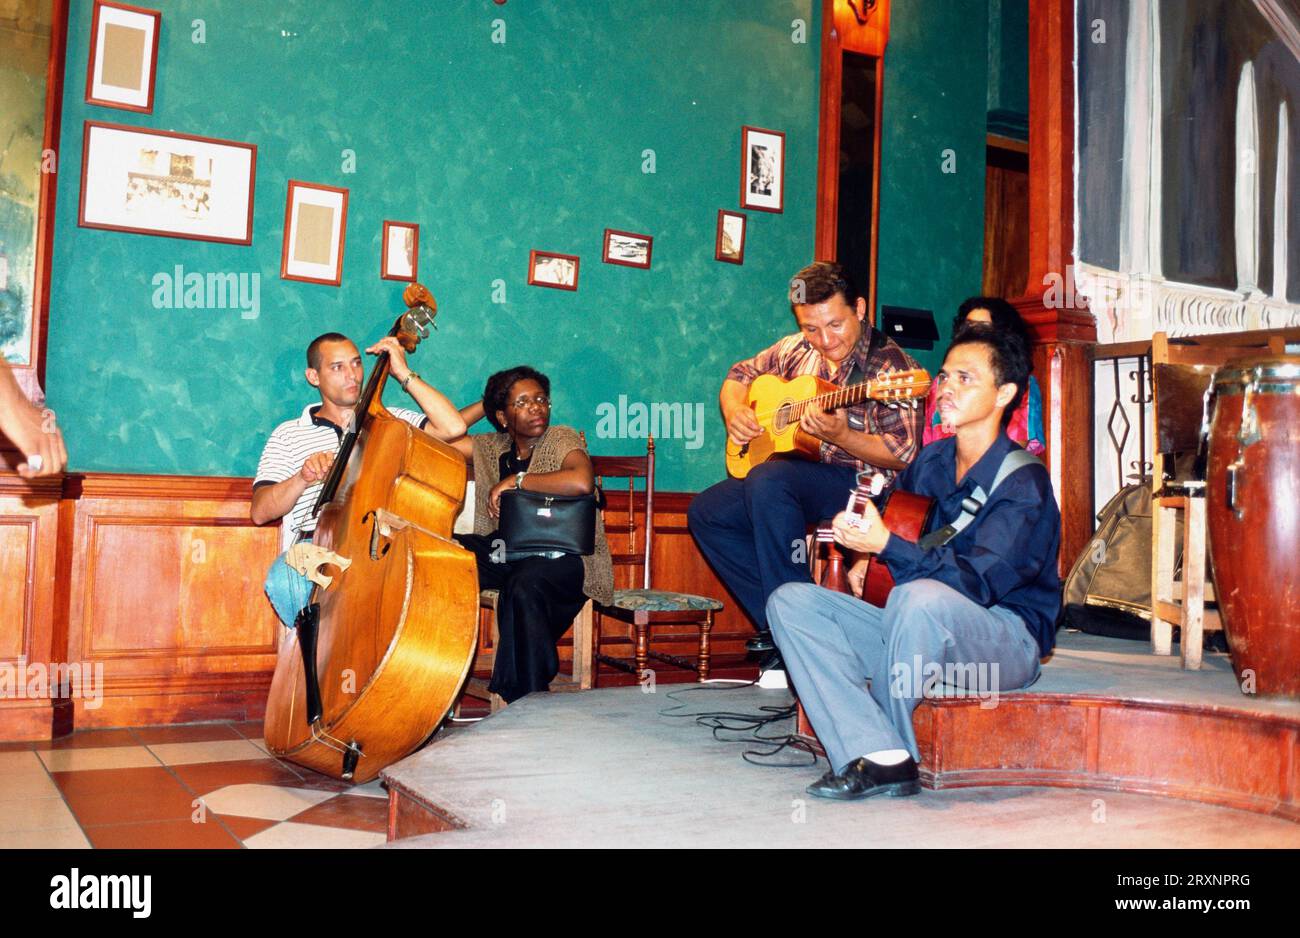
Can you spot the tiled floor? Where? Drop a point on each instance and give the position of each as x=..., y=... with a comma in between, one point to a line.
x=201, y=786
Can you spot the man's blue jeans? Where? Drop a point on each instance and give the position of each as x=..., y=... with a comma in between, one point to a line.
x=287, y=589
x=752, y=530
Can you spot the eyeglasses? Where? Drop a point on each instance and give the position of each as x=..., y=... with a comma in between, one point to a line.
x=541, y=401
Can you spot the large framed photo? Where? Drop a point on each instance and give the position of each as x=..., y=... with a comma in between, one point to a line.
x=123, y=56
x=627, y=248
x=315, y=229
x=401, y=254
x=161, y=183
x=762, y=169
x=552, y=270
x=730, y=243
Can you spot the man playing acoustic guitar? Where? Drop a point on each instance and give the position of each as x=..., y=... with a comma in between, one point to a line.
x=978, y=604
x=752, y=529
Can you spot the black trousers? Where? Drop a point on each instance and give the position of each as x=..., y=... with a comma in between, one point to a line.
x=539, y=598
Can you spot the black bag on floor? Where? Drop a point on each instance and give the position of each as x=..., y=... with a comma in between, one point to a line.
x=1108, y=590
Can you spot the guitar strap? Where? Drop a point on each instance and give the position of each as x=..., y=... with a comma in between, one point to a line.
x=971, y=504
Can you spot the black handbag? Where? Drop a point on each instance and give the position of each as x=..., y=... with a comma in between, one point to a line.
x=537, y=523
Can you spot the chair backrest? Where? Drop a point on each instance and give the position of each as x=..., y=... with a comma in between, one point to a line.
x=1181, y=370
x=630, y=468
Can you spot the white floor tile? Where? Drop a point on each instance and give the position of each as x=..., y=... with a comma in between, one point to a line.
x=223, y=750
x=272, y=802
x=68, y=838
x=108, y=757
x=27, y=786
x=20, y=762
x=35, y=814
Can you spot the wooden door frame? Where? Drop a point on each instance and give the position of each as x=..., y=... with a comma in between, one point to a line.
x=843, y=31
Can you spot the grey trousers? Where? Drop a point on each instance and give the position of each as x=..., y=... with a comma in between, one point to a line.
x=929, y=640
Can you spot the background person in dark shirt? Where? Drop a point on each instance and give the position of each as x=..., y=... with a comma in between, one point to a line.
x=983, y=605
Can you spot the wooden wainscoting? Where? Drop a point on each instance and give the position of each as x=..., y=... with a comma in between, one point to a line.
x=29, y=638
x=157, y=580
x=165, y=592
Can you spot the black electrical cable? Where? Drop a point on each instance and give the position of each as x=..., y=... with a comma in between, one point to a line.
x=747, y=724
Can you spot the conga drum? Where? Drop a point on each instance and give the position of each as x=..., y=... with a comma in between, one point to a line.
x=1253, y=518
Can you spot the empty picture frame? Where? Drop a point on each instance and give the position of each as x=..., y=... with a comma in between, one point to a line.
x=730, y=243
x=401, y=254
x=627, y=248
x=161, y=183
x=123, y=56
x=315, y=229
x=762, y=169
x=559, y=271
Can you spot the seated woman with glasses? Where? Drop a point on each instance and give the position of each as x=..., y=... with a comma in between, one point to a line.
x=539, y=595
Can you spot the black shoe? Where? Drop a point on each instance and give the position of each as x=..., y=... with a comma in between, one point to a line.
x=862, y=779
x=762, y=641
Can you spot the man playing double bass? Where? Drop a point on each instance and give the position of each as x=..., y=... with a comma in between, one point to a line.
x=298, y=456
x=750, y=529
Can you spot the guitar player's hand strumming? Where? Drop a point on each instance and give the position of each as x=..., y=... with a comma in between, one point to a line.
x=742, y=426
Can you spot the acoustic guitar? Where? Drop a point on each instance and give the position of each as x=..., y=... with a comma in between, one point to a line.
x=905, y=514
x=778, y=404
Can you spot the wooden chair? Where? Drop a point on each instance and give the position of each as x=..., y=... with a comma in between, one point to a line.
x=644, y=608
x=1181, y=371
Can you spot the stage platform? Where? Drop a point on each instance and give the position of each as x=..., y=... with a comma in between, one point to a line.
x=1113, y=747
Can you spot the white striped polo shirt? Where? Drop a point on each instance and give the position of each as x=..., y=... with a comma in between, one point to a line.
x=288, y=448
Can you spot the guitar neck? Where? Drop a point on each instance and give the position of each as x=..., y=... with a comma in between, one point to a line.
x=841, y=397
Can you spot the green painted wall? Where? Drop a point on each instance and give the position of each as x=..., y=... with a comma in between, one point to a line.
x=932, y=221
x=494, y=149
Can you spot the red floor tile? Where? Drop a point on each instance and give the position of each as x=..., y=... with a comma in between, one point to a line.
x=17, y=747
x=354, y=812
x=120, y=796
x=206, y=777
x=90, y=739
x=162, y=835
x=192, y=733
x=249, y=729
x=244, y=827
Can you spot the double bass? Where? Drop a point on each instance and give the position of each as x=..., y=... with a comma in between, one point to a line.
x=387, y=639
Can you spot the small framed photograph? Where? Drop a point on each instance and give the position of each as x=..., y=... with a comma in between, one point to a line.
x=123, y=56
x=173, y=185
x=730, y=246
x=401, y=257
x=315, y=229
x=627, y=248
x=552, y=270
x=762, y=169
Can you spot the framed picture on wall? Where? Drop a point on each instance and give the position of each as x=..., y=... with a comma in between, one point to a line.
x=161, y=183
x=315, y=228
x=123, y=56
x=552, y=270
x=401, y=254
x=730, y=243
x=762, y=169
x=627, y=248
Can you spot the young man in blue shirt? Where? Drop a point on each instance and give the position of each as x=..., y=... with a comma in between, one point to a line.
x=982, y=605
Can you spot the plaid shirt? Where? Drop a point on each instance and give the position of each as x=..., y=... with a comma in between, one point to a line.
x=899, y=428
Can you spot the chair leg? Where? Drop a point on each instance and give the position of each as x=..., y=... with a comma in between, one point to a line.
x=583, y=647
x=1162, y=575
x=642, y=647
x=1193, y=583
x=705, y=627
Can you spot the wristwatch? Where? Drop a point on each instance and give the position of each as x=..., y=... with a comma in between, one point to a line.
x=409, y=376
x=519, y=479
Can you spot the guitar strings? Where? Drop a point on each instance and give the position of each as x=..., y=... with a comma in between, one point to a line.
x=800, y=407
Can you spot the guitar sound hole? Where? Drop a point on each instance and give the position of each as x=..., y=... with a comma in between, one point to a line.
x=782, y=418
